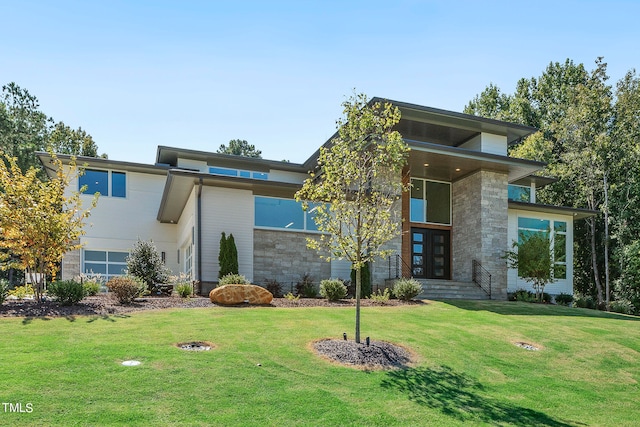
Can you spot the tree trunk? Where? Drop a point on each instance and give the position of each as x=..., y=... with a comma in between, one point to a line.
x=358, y=291
x=606, y=243
x=594, y=259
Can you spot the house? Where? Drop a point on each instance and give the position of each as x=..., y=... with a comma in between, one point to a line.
x=467, y=203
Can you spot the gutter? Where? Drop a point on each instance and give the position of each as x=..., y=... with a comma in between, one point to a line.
x=199, y=225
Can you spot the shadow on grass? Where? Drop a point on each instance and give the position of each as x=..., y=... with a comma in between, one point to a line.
x=460, y=396
x=72, y=318
x=534, y=309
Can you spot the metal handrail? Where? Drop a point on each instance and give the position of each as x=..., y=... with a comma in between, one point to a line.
x=481, y=277
x=401, y=268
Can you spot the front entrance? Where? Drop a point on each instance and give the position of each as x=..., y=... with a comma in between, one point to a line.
x=431, y=253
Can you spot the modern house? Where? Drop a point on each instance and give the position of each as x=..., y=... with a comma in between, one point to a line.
x=467, y=203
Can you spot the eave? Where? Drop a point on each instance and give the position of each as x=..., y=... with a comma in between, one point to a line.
x=577, y=213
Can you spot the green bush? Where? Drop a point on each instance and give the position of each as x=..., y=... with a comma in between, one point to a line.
x=292, y=297
x=333, y=289
x=21, y=292
x=233, y=279
x=126, y=288
x=380, y=297
x=185, y=290
x=564, y=299
x=585, y=302
x=67, y=292
x=227, y=256
x=406, y=289
x=306, y=288
x=523, y=295
x=145, y=263
x=622, y=306
x=91, y=288
x=4, y=287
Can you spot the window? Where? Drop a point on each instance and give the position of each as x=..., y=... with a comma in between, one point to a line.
x=188, y=260
x=217, y=170
x=283, y=213
x=97, y=181
x=519, y=193
x=105, y=263
x=558, y=240
x=430, y=201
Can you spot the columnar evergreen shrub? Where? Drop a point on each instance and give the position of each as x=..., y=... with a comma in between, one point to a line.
x=333, y=289
x=406, y=289
x=145, y=263
x=365, y=289
x=67, y=292
x=126, y=288
x=228, y=256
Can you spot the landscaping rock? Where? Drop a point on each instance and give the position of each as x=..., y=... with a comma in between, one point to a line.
x=238, y=294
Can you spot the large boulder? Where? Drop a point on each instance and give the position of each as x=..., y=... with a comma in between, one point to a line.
x=238, y=294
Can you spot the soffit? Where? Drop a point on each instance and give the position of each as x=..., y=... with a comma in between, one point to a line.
x=577, y=213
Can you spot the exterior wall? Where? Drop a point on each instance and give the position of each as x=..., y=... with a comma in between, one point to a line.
x=487, y=143
x=186, y=229
x=230, y=211
x=117, y=223
x=193, y=164
x=71, y=265
x=285, y=257
x=560, y=286
x=480, y=228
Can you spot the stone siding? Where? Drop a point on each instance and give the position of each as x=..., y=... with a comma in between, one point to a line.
x=71, y=264
x=480, y=228
x=285, y=257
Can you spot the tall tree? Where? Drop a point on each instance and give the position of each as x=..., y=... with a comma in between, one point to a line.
x=38, y=222
x=357, y=187
x=240, y=147
x=65, y=140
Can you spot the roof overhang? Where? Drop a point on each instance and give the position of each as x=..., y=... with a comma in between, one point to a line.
x=577, y=213
x=449, y=164
x=98, y=162
x=180, y=184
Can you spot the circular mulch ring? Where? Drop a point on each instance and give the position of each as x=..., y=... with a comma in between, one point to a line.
x=378, y=355
x=195, y=345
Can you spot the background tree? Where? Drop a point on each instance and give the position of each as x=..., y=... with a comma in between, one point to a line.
x=65, y=140
x=531, y=256
x=240, y=147
x=38, y=223
x=357, y=186
x=145, y=263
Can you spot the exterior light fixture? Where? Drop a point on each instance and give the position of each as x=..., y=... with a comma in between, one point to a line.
x=344, y=336
x=457, y=169
x=426, y=165
x=368, y=341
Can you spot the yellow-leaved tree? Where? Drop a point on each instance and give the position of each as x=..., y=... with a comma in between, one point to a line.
x=38, y=222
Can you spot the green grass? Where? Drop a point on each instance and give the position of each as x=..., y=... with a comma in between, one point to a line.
x=469, y=371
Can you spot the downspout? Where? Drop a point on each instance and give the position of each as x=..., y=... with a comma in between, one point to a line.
x=199, y=244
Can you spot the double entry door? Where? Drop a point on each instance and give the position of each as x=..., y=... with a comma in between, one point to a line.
x=431, y=253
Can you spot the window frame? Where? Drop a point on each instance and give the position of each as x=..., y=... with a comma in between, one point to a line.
x=110, y=183
x=106, y=262
x=306, y=216
x=425, y=202
x=552, y=232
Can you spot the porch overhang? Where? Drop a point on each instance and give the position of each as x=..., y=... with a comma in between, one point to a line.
x=443, y=163
x=577, y=213
x=180, y=183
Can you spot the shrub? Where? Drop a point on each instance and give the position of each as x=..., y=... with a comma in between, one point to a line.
x=585, y=302
x=185, y=290
x=292, y=297
x=67, y=292
x=564, y=299
x=91, y=288
x=233, y=279
x=126, y=288
x=406, y=289
x=21, y=292
x=182, y=284
x=305, y=287
x=145, y=263
x=227, y=256
x=365, y=277
x=523, y=295
x=274, y=287
x=4, y=287
x=380, y=297
x=333, y=289
x=622, y=306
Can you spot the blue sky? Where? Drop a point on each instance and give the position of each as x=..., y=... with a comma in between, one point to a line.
x=195, y=74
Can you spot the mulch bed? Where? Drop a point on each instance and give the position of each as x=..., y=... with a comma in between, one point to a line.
x=105, y=304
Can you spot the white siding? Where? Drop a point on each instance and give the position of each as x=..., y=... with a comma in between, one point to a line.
x=487, y=143
x=193, y=164
x=289, y=177
x=560, y=286
x=231, y=211
x=185, y=225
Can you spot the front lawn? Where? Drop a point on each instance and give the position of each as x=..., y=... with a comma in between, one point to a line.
x=262, y=372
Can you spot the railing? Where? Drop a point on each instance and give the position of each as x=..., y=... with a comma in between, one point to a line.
x=398, y=267
x=481, y=277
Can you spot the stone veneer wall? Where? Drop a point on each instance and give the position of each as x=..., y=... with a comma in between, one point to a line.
x=480, y=227
x=285, y=257
x=71, y=264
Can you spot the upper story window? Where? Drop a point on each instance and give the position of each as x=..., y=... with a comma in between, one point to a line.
x=217, y=170
x=519, y=193
x=287, y=214
x=430, y=201
x=107, y=183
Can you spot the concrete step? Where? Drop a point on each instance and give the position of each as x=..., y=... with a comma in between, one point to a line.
x=448, y=289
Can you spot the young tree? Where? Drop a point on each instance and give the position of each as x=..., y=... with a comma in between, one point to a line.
x=145, y=263
x=356, y=189
x=38, y=223
x=531, y=256
x=240, y=147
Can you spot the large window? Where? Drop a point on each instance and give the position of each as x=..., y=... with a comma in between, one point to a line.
x=430, y=201
x=557, y=233
x=287, y=214
x=105, y=263
x=107, y=183
x=519, y=193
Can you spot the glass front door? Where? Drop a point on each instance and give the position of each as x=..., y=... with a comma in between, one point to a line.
x=430, y=254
